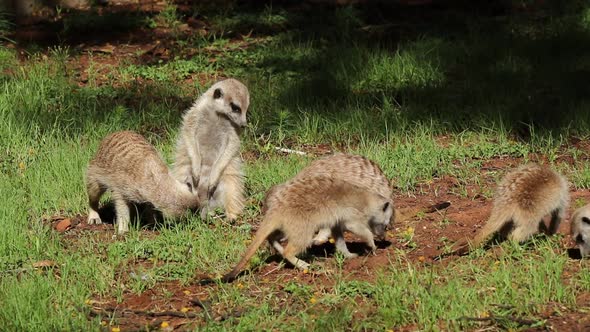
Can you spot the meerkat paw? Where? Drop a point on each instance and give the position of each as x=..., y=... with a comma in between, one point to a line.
x=93, y=218
x=322, y=237
x=122, y=227
x=350, y=255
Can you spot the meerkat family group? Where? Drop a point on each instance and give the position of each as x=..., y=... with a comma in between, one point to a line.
x=334, y=194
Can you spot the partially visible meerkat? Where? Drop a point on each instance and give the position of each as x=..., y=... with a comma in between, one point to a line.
x=354, y=169
x=307, y=205
x=580, y=229
x=208, y=147
x=524, y=196
x=131, y=168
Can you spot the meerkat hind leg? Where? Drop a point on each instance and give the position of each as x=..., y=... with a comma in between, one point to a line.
x=230, y=191
x=295, y=246
x=521, y=232
x=95, y=191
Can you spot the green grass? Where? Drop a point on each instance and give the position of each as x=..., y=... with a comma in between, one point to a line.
x=424, y=99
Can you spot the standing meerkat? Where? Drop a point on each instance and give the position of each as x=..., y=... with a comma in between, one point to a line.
x=131, y=168
x=307, y=205
x=524, y=196
x=208, y=148
x=580, y=229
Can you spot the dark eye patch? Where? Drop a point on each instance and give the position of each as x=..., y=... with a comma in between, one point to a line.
x=586, y=220
x=235, y=108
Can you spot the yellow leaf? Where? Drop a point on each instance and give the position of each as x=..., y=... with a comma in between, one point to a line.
x=312, y=300
x=115, y=329
x=184, y=310
x=187, y=292
x=331, y=240
x=21, y=166
x=164, y=325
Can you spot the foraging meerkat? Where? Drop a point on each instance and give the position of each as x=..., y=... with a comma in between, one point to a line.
x=307, y=205
x=524, y=196
x=207, y=150
x=356, y=170
x=131, y=168
x=580, y=229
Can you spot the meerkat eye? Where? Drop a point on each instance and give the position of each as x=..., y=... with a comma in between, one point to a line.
x=579, y=239
x=586, y=220
x=235, y=108
x=217, y=94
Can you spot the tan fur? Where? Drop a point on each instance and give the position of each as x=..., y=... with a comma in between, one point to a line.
x=580, y=229
x=307, y=205
x=131, y=168
x=524, y=197
x=207, y=152
x=354, y=169
x=359, y=171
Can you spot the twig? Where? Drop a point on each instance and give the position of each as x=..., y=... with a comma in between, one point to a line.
x=271, y=271
x=301, y=153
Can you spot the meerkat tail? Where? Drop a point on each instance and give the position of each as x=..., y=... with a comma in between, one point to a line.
x=262, y=234
x=232, y=181
x=494, y=224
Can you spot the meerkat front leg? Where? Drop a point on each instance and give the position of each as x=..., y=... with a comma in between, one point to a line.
x=341, y=246
x=194, y=156
x=123, y=214
x=364, y=232
x=219, y=166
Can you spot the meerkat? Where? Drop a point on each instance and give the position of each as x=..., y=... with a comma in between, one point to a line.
x=580, y=229
x=131, y=168
x=354, y=169
x=357, y=170
x=207, y=151
x=307, y=205
x=524, y=196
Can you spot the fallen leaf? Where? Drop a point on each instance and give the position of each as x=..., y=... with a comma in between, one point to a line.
x=63, y=225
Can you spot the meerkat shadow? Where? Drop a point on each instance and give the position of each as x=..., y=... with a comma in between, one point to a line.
x=327, y=249
x=143, y=213
x=574, y=253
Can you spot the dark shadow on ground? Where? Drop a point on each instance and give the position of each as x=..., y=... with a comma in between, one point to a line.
x=500, y=64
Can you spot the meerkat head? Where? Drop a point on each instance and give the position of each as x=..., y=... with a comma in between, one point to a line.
x=231, y=100
x=581, y=230
x=381, y=214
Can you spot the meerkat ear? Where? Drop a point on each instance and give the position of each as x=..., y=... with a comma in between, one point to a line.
x=217, y=93
x=586, y=220
x=385, y=206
